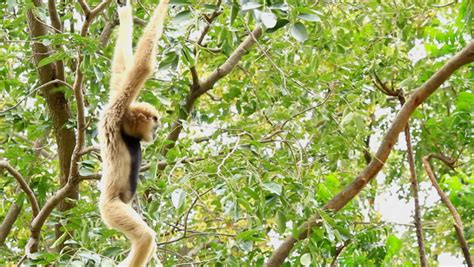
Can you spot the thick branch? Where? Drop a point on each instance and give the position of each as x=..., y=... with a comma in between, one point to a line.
x=23, y=185
x=347, y=194
x=73, y=180
x=45, y=211
x=207, y=85
x=231, y=62
x=411, y=162
x=107, y=31
x=58, y=28
x=8, y=222
x=458, y=225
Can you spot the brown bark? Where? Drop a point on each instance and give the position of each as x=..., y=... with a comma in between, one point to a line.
x=75, y=144
x=201, y=87
x=56, y=100
x=347, y=194
x=458, y=225
x=8, y=221
x=414, y=190
x=411, y=162
x=23, y=186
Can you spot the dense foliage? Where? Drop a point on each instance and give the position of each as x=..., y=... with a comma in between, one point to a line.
x=267, y=147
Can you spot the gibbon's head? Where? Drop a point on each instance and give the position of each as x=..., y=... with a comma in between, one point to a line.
x=140, y=121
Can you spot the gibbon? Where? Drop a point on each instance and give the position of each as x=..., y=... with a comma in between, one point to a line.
x=123, y=125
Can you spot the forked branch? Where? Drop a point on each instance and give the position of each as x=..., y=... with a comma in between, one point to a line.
x=411, y=162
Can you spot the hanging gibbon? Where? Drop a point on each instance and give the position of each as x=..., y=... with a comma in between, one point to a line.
x=123, y=125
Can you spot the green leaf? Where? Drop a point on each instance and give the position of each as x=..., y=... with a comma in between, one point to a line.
x=281, y=221
x=250, y=5
x=250, y=235
x=112, y=251
x=170, y=60
x=269, y=19
x=43, y=257
x=54, y=57
x=393, y=245
x=299, y=32
x=180, y=2
x=60, y=240
x=188, y=56
x=305, y=259
x=234, y=11
x=182, y=17
x=273, y=187
x=177, y=198
x=465, y=101
x=280, y=24
x=329, y=231
x=310, y=17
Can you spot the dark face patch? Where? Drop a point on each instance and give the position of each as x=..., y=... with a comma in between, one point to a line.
x=133, y=146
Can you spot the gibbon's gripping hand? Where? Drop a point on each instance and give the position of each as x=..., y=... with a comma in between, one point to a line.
x=122, y=3
x=124, y=10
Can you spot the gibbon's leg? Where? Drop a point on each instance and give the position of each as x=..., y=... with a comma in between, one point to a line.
x=145, y=55
x=123, y=54
x=125, y=219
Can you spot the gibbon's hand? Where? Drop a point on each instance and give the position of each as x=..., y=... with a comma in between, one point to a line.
x=124, y=11
x=122, y=3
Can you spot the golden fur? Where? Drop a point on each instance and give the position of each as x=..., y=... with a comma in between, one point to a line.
x=139, y=120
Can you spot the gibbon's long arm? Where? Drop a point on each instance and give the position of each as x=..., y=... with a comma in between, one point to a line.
x=143, y=63
x=123, y=54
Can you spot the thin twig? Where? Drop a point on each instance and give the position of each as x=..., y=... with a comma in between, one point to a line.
x=411, y=162
x=23, y=185
x=339, y=251
x=328, y=95
x=458, y=225
x=33, y=91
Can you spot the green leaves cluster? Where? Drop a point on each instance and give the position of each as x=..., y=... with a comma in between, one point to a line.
x=276, y=139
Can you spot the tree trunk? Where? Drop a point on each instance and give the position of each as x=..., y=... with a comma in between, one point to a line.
x=57, y=103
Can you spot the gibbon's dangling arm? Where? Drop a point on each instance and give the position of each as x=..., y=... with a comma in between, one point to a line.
x=144, y=62
x=123, y=54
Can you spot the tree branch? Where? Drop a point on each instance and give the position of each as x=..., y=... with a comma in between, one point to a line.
x=8, y=221
x=107, y=31
x=231, y=62
x=207, y=85
x=411, y=162
x=347, y=194
x=339, y=251
x=73, y=178
x=58, y=28
x=458, y=225
x=56, y=99
x=414, y=189
x=43, y=86
x=23, y=185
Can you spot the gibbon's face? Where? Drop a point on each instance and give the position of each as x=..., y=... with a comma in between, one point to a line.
x=141, y=121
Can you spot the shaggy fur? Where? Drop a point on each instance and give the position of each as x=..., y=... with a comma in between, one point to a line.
x=124, y=123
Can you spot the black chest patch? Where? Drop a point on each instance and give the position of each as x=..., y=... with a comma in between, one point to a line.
x=133, y=146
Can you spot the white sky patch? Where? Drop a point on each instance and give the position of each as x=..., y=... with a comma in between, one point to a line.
x=446, y=259
x=392, y=209
x=418, y=52
x=275, y=239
